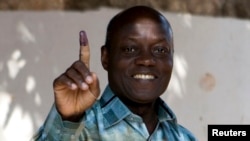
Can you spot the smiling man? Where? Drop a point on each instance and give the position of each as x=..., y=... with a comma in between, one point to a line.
x=138, y=56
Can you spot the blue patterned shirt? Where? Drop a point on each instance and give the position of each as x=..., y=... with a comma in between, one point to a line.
x=110, y=120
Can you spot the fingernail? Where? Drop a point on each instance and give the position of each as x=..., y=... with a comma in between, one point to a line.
x=83, y=38
x=73, y=86
x=89, y=79
x=84, y=86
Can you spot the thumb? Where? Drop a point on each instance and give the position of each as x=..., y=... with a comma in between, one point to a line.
x=94, y=87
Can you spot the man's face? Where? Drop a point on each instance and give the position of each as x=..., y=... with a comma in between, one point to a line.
x=140, y=60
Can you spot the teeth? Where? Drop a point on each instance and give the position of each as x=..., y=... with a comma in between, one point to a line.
x=143, y=76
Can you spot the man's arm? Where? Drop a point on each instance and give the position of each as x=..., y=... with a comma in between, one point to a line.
x=54, y=128
x=75, y=90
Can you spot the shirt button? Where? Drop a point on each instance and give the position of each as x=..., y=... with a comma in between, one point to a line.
x=44, y=136
x=72, y=137
x=58, y=131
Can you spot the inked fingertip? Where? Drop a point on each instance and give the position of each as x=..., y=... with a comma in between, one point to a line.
x=82, y=33
x=83, y=38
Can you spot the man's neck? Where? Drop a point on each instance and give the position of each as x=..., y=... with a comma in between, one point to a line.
x=148, y=112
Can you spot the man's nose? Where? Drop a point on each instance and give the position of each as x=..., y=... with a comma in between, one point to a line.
x=145, y=59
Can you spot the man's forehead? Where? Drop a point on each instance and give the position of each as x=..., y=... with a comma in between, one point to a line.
x=137, y=15
x=144, y=22
x=127, y=17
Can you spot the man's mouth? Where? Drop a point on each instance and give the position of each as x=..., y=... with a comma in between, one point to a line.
x=144, y=76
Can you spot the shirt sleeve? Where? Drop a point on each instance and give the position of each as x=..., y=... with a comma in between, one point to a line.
x=189, y=136
x=55, y=129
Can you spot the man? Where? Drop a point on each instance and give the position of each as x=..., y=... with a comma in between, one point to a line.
x=138, y=56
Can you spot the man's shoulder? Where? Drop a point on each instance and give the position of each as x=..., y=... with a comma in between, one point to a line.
x=186, y=133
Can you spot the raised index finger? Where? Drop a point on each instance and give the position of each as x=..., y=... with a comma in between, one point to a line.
x=84, y=48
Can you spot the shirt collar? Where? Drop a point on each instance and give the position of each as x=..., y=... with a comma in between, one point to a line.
x=114, y=110
x=165, y=113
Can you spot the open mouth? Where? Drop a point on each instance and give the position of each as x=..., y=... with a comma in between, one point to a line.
x=144, y=76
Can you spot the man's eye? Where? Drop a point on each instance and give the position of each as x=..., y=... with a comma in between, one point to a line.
x=129, y=49
x=161, y=50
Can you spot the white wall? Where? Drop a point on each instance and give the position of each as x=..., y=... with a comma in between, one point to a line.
x=209, y=83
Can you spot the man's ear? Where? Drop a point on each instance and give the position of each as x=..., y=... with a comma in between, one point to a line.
x=104, y=57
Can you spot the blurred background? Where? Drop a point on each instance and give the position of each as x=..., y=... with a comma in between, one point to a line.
x=222, y=8
x=39, y=40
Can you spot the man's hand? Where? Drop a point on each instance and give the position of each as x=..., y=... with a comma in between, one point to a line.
x=77, y=88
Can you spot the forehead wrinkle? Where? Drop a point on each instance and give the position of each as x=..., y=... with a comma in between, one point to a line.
x=149, y=29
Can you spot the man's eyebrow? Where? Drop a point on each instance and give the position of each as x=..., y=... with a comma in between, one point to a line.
x=161, y=40
x=162, y=37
